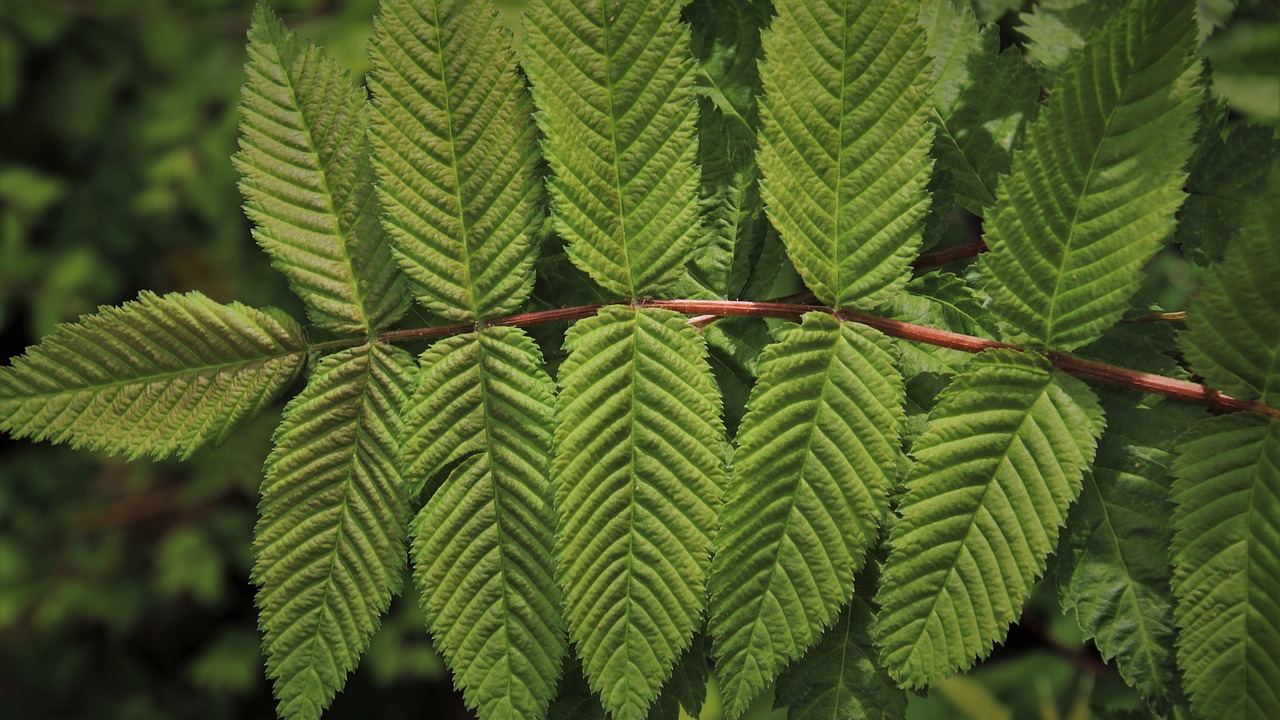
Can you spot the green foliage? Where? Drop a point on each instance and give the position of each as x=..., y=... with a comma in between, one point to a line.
x=456, y=155
x=638, y=475
x=1233, y=331
x=816, y=456
x=482, y=543
x=614, y=87
x=1098, y=182
x=157, y=376
x=1113, y=565
x=850, y=79
x=330, y=535
x=585, y=547
x=1226, y=564
x=996, y=468
x=308, y=184
x=843, y=675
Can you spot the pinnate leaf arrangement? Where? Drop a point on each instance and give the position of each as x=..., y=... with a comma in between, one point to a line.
x=773, y=493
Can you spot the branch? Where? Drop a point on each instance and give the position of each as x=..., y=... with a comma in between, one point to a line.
x=703, y=310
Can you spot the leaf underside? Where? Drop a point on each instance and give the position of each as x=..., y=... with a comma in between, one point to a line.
x=637, y=475
x=999, y=462
x=157, y=376
x=330, y=538
x=614, y=87
x=1226, y=555
x=844, y=143
x=456, y=154
x=817, y=453
x=1097, y=182
x=482, y=543
x=308, y=184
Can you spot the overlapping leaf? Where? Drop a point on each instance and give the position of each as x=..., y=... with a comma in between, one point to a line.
x=844, y=143
x=637, y=477
x=1113, y=568
x=1099, y=178
x=742, y=249
x=614, y=86
x=308, y=184
x=331, y=529
x=1055, y=28
x=1226, y=555
x=816, y=455
x=157, y=376
x=482, y=544
x=983, y=101
x=456, y=154
x=1233, y=328
x=1227, y=174
x=998, y=464
x=842, y=677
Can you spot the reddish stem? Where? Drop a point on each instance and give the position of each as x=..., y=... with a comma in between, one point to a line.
x=704, y=310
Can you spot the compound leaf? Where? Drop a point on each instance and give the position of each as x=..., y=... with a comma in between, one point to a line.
x=157, y=376
x=482, y=544
x=1226, y=557
x=456, y=153
x=844, y=143
x=999, y=462
x=637, y=476
x=308, y=185
x=816, y=455
x=614, y=84
x=330, y=539
x=1098, y=180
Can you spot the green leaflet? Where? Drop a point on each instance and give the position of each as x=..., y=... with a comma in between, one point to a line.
x=741, y=256
x=329, y=543
x=308, y=185
x=1233, y=328
x=842, y=677
x=482, y=544
x=816, y=456
x=983, y=100
x=999, y=462
x=844, y=143
x=1097, y=182
x=456, y=154
x=1226, y=556
x=614, y=86
x=157, y=376
x=1113, y=565
x=637, y=476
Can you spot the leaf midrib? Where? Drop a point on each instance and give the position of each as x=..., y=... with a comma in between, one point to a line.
x=308, y=132
x=606, y=35
x=452, y=143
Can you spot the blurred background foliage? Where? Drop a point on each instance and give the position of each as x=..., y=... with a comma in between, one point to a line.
x=124, y=587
